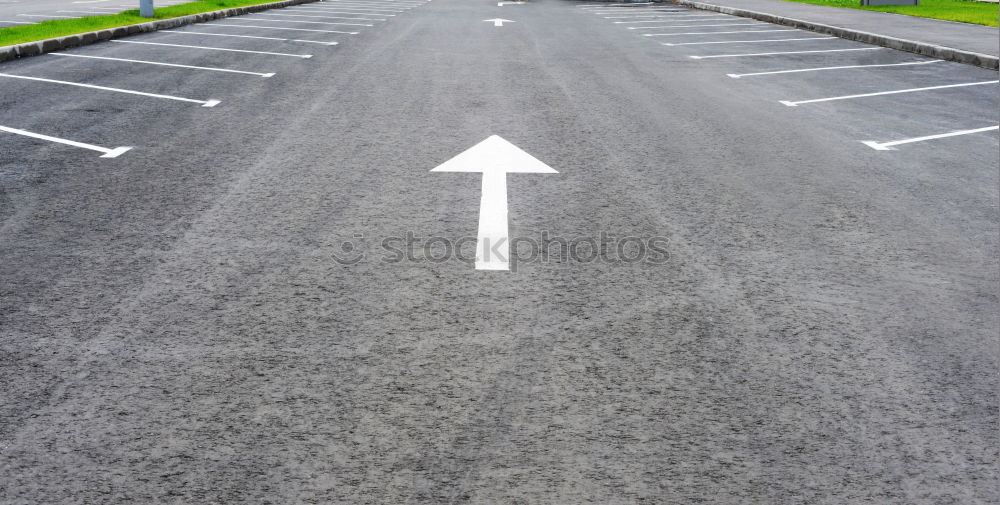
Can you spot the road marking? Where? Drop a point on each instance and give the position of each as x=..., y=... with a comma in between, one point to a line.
x=340, y=11
x=713, y=33
x=501, y=4
x=19, y=22
x=85, y=12
x=686, y=18
x=737, y=76
x=880, y=93
x=209, y=48
x=741, y=41
x=216, y=25
x=105, y=152
x=203, y=103
x=890, y=146
x=306, y=22
x=784, y=52
x=499, y=21
x=690, y=26
x=353, y=8
x=212, y=69
x=251, y=37
x=43, y=16
x=494, y=158
x=318, y=17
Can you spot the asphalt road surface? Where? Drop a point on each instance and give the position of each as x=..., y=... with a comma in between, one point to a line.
x=221, y=314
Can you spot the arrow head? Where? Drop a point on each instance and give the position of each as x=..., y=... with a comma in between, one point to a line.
x=495, y=155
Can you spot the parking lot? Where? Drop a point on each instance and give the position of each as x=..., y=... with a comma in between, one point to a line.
x=195, y=65
x=893, y=99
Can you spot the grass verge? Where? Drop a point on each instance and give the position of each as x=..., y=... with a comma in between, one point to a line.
x=966, y=11
x=61, y=27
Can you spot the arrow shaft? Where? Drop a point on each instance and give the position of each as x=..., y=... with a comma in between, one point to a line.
x=497, y=22
x=493, y=246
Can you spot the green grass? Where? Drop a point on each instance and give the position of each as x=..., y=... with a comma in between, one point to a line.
x=58, y=28
x=966, y=11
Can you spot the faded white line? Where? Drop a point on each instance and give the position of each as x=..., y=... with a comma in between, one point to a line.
x=686, y=18
x=715, y=33
x=330, y=23
x=250, y=37
x=105, y=152
x=209, y=48
x=817, y=69
x=203, y=103
x=159, y=63
x=890, y=146
x=741, y=41
x=691, y=26
x=339, y=11
x=318, y=17
x=880, y=93
x=217, y=25
x=784, y=52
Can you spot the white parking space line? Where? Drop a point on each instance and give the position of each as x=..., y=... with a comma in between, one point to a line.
x=203, y=103
x=818, y=69
x=355, y=8
x=19, y=22
x=44, y=16
x=717, y=33
x=186, y=32
x=741, y=41
x=791, y=103
x=92, y=13
x=342, y=11
x=239, y=25
x=210, y=48
x=891, y=146
x=714, y=17
x=784, y=52
x=105, y=152
x=318, y=17
x=692, y=26
x=212, y=69
x=302, y=21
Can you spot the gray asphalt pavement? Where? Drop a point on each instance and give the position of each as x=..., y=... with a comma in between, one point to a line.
x=218, y=314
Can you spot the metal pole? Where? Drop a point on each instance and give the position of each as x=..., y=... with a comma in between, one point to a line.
x=146, y=8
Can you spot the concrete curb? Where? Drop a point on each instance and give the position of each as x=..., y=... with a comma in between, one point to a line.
x=926, y=49
x=82, y=39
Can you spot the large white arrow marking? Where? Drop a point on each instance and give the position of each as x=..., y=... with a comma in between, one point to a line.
x=494, y=158
x=499, y=21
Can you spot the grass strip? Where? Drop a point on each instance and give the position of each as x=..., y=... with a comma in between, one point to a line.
x=966, y=11
x=62, y=27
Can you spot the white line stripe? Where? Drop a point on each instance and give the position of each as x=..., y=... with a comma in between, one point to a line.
x=203, y=103
x=691, y=26
x=107, y=153
x=304, y=21
x=888, y=146
x=784, y=52
x=343, y=11
x=250, y=37
x=687, y=18
x=217, y=25
x=741, y=41
x=209, y=48
x=351, y=7
x=269, y=74
x=317, y=17
x=19, y=22
x=712, y=19
x=862, y=95
x=737, y=76
x=714, y=33
x=87, y=12
x=42, y=16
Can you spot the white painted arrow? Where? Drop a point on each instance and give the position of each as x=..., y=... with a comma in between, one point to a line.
x=494, y=158
x=499, y=21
